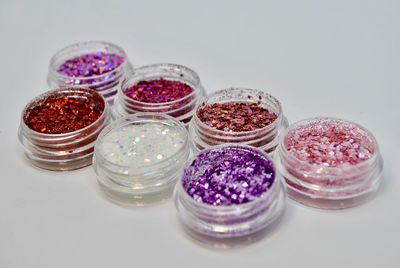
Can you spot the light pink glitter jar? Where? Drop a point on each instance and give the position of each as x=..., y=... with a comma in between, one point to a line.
x=329, y=163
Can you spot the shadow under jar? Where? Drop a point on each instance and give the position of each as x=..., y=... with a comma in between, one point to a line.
x=166, y=88
x=138, y=158
x=98, y=65
x=58, y=129
x=228, y=195
x=329, y=163
x=238, y=115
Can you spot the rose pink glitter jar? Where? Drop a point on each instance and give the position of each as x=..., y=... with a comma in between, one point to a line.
x=160, y=88
x=98, y=65
x=329, y=163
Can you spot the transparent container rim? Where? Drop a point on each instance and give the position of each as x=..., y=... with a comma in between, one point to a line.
x=53, y=68
x=137, y=117
x=242, y=133
x=227, y=208
x=57, y=91
x=307, y=165
x=134, y=75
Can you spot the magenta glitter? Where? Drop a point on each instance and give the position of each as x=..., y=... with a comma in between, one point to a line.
x=91, y=64
x=228, y=175
x=159, y=91
x=329, y=142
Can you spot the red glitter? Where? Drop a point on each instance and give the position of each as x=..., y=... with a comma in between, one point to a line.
x=158, y=91
x=63, y=112
x=236, y=116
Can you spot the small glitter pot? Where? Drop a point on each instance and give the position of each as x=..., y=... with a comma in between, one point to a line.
x=229, y=192
x=138, y=158
x=161, y=88
x=59, y=128
x=98, y=65
x=329, y=163
x=235, y=108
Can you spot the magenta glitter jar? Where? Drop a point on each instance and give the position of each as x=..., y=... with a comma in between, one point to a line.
x=160, y=88
x=329, y=163
x=229, y=193
x=265, y=138
x=98, y=65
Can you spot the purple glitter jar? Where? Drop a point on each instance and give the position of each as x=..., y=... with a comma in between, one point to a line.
x=98, y=65
x=229, y=191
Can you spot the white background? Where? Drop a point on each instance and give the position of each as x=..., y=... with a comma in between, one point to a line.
x=335, y=58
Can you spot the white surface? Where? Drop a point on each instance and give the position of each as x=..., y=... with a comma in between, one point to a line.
x=336, y=58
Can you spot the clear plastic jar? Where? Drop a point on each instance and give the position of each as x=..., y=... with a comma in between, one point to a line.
x=265, y=138
x=138, y=158
x=106, y=83
x=182, y=108
x=330, y=187
x=224, y=225
x=64, y=151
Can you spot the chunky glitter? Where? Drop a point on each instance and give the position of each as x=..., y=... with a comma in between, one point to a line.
x=235, y=116
x=91, y=64
x=141, y=144
x=329, y=142
x=158, y=91
x=228, y=175
x=63, y=112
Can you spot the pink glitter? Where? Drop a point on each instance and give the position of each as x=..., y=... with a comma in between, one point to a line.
x=329, y=163
x=329, y=142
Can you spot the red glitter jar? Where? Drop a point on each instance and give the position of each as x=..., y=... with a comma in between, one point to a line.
x=329, y=163
x=58, y=129
x=98, y=65
x=238, y=115
x=161, y=88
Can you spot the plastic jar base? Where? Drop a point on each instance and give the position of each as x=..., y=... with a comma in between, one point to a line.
x=128, y=199
x=61, y=166
x=234, y=242
x=331, y=204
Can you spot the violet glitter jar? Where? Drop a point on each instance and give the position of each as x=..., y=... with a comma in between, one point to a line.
x=58, y=128
x=161, y=88
x=98, y=65
x=329, y=163
x=237, y=121
x=229, y=191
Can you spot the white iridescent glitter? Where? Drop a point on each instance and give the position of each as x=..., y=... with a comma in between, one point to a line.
x=139, y=145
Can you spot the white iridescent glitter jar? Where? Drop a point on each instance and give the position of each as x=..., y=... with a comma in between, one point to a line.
x=329, y=163
x=138, y=158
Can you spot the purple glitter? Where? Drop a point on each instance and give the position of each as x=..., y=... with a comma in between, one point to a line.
x=228, y=175
x=91, y=64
